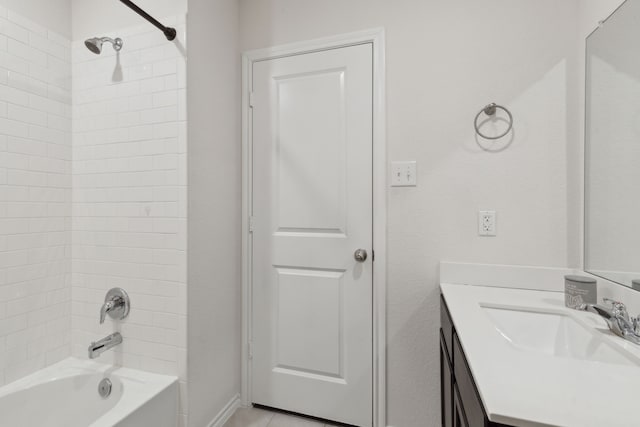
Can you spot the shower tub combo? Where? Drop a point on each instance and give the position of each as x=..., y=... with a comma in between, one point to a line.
x=81, y=393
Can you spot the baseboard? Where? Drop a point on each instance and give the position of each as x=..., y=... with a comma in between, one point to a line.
x=226, y=413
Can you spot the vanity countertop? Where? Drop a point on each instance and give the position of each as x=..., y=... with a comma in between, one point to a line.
x=529, y=389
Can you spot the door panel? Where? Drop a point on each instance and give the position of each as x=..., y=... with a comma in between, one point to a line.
x=312, y=208
x=311, y=196
x=316, y=297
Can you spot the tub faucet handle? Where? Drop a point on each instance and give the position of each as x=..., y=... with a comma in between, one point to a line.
x=106, y=308
x=116, y=305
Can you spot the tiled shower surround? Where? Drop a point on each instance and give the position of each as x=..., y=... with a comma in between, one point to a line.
x=129, y=196
x=35, y=197
x=92, y=196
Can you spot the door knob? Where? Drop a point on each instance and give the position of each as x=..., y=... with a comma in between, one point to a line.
x=360, y=255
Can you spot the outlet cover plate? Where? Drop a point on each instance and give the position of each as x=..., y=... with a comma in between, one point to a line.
x=487, y=223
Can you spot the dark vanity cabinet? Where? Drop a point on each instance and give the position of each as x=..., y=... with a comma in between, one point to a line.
x=460, y=402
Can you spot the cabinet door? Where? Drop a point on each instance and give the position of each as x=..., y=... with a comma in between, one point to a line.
x=447, y=326
x=446, y=385
x=459, y=418
x=466, y=388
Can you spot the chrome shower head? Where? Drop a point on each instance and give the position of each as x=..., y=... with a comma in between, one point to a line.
x=95, y=44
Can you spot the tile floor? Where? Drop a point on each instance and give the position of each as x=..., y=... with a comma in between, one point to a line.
x=254, y=417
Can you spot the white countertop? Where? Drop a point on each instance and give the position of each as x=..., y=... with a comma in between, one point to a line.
x=528, y=389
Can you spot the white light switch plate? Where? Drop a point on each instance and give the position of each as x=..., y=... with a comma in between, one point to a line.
x=403, y=174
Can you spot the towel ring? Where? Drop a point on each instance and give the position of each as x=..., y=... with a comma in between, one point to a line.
x=490, y=110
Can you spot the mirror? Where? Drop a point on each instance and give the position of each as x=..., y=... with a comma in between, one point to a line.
x=612, y=151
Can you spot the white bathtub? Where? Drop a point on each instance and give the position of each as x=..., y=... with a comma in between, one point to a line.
x=66, y=395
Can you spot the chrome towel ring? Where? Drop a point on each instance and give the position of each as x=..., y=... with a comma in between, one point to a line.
x=490, y=110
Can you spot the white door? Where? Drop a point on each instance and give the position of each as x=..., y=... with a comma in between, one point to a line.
x=312, y=209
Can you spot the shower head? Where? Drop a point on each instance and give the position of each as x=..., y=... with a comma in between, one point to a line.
x=95, y=44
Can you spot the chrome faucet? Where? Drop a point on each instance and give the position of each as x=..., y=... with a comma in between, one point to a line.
x=106, y=343
x=116, y=304
x=617, y=318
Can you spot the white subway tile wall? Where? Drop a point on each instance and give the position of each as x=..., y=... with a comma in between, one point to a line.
x=129, y=197
x=94, y=202
x=35, y=197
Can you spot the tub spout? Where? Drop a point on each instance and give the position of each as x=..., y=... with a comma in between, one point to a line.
x=99, y=347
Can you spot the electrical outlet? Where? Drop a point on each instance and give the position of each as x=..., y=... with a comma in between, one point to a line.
x=403, y=174
x=487, y=223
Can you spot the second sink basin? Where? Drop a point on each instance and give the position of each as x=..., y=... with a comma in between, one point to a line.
x=554, y=333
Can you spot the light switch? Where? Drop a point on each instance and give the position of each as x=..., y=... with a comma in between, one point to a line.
x=403, y=174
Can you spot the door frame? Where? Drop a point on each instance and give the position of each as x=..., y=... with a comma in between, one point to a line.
x=379, y=209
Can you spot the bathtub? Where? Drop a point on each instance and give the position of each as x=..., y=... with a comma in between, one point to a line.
x=66, y=395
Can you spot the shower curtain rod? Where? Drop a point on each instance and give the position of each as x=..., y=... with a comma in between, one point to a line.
x=169, y=32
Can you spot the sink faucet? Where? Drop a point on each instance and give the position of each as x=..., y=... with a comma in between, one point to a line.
x=617, y=319
x=106, y=343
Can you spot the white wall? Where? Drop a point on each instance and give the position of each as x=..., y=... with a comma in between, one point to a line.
x=214, y=208
x=35, y=196
x=592, y=12
x=55, y=15
x=446, y=60
x=95, y=17
x=129, y=197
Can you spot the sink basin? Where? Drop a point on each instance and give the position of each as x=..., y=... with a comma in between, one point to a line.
x=555, y=333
